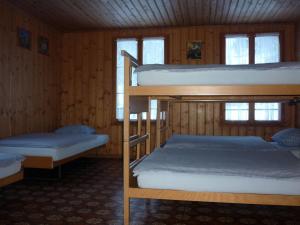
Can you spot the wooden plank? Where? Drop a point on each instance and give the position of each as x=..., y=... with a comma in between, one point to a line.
x=11, y=179
x=263, y=199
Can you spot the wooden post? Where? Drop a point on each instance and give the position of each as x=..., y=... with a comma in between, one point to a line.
x=126, y=147
x=148, y=127
x=139, y=132
x=158, y=125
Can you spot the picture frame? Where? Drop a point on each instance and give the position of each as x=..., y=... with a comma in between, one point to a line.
x=43, y=45
x=194, y=49
x=24, y=38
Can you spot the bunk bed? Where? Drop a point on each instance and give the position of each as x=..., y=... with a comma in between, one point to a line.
x=11, y=169
x=164, y=89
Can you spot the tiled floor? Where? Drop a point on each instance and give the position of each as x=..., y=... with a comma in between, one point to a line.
x=90, y=192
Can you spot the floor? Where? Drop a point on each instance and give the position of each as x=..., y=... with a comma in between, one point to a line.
x=90, y=192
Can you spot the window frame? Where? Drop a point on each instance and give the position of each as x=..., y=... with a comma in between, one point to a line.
x=139, y=39
x=251, y=36
x=251, y=121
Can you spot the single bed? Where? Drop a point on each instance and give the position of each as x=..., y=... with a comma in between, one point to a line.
x=10, y=168
x=47, y=150
x=271, y=73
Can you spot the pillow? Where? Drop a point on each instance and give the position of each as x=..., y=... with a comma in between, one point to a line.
x=288, y=137
x=75, y=129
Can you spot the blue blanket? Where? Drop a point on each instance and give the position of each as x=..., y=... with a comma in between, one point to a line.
x=45, y=140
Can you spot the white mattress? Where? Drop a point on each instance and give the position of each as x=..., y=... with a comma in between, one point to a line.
x=272, y=73
x=58, y=153
x=217, y=183
x=11, y=169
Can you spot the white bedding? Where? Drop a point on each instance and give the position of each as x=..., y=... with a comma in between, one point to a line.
x=58, y=153
x=219, y=142
x=273, y=172
x=272, y=73
x=10, y=164
x=217, y=183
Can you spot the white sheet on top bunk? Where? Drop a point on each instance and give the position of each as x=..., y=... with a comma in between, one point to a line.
x=219, y=142
x=59, y=153
x=271, y=73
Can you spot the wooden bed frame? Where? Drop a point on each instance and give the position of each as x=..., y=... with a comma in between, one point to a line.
x=11, y=179
x=136, y=100
x=46, y=162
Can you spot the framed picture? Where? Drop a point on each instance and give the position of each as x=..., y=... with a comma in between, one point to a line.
x=43, y=45
x=24, y=38
x=194, y=49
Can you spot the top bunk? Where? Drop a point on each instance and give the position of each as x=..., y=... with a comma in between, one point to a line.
x=272, y=79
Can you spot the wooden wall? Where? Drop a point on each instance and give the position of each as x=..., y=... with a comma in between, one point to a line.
x=88, y=79
x=29, y=81
x=298, y=41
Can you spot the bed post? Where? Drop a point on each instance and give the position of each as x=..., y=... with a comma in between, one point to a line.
x=139, y=132
x=167, y=118
x=126, y=147
x=148, y=127
x=158, y=131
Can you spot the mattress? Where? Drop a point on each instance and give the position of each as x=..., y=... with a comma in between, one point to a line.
x=260, y=172
x=57, y=152
x=271, y=73
x=10, y=164
x=219, y=142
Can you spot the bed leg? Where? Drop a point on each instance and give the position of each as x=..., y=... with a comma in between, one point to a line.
x=126, y=210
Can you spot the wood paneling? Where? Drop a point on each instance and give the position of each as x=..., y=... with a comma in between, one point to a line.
x=29, y=81
x=88, y=79
x=95, y=14
x=298, y=40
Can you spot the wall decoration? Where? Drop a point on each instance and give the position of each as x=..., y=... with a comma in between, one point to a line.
x=194, y=49
x=24, y=38
x=43, y=45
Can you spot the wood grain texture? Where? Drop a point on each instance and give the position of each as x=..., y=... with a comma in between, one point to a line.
x=29, y=81
x=95, y=14
x=88, y=80
x=298, y=41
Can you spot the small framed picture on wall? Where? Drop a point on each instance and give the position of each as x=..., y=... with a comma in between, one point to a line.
x=43, y=45
x=194, y=50
x=24, y=38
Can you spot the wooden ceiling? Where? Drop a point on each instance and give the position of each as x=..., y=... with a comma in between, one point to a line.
x=97, y=14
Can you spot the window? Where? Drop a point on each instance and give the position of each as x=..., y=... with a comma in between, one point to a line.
x=237, y=111
x=237, y=49
x=253, y=112
x=270, y=111
x=252, y=48
x=153, y=52
x=267, y=48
